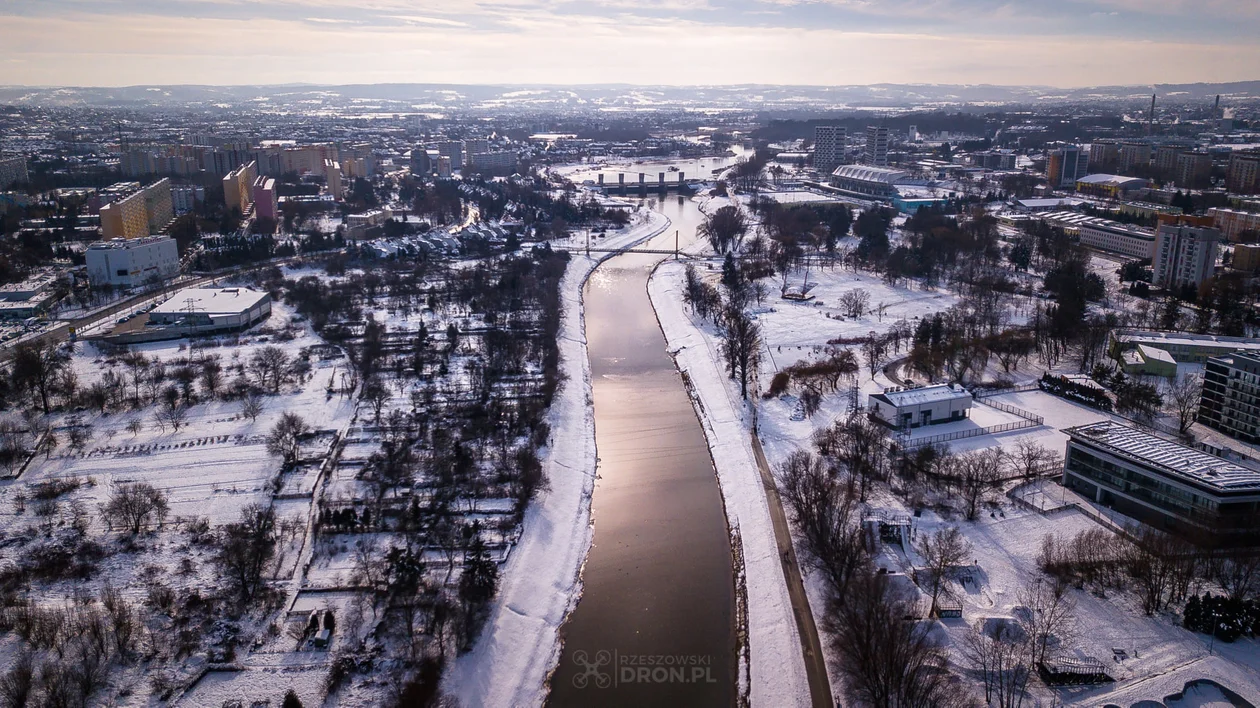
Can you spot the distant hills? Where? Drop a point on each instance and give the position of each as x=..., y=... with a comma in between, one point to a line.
x=445, y=98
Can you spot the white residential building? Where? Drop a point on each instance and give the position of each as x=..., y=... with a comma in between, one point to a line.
x=127, y=263
x=1184, y=255
x=829, y=147
x=876, y=152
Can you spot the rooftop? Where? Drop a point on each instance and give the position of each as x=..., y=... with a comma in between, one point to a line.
x=1169, y=457
x=122, y=243
x=921, y=396
x=211, y=301
x=870, y=174
x=1131, y=336
x=1115, y=180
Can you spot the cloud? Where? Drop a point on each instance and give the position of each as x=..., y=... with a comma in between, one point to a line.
x=549, y=41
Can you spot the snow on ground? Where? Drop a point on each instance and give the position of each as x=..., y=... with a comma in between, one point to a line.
x=540, y=583
x=777, y=667
x=1162, y=657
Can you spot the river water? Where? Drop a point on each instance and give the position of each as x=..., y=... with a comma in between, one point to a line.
x=655, y=624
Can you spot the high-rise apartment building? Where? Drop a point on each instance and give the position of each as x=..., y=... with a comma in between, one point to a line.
x=1104, y=156
x=1193, y=170
x=1166, y=155
x=266, y=204
x=185, y=198
x=452, y=150
x=1066, y=165
x=13, y=170
x=238, y=187
x=876, y=151
x=1231, y=395
x=420, y=162
x=829, y=147
x=1134, y=157
x=332, y=176
x=145, y=211
x=1185, y=252
x=1243, y=174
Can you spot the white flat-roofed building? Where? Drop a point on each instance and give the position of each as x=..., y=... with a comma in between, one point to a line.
x=213, y=309
x=126, y=263
x=1160, y=482
x=1105, y=234
x=1184, y=347
x=915, y=407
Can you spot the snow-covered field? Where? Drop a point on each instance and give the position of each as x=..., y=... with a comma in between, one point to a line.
x=540, y=583
x=1161, y=656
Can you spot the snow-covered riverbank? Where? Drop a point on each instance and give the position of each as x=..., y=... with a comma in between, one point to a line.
x=540, y=582
x=778, y=674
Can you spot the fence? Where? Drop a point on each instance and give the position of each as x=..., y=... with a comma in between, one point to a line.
x=991, y=430
x=1008, y=408
x=1002, y=391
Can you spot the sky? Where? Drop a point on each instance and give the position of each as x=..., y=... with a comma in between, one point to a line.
x=1067, y=43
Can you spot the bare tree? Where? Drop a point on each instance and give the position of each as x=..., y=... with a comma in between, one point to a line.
x=1048, y=614
x=741, y=346
x=1001, y=653
x=376, y=393
x=285, y=435
x=827, y=517
x=855, y=302
x=270, y=366
x=977, y=473
x=724, y=229
x=885, y=659
x=245, y=547
x=1030, y=458
x=1182, y=400
x=251, y=405
x=942, y=552
x=135, y=507
x=36, y=367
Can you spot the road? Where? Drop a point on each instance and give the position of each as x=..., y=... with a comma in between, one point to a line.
x=811, y=644
x=61, y=332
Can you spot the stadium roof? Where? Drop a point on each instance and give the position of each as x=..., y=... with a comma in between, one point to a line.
x=862, y=173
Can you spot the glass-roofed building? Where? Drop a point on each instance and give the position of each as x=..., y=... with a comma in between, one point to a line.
x=1161, y=483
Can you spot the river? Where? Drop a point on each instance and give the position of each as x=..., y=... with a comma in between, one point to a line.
x=655, y=623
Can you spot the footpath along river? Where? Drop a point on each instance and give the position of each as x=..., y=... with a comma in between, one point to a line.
x=656, y=621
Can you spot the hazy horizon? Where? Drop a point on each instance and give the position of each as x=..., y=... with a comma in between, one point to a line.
x=1073, y=43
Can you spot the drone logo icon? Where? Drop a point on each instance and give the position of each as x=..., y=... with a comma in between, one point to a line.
x=591, y=669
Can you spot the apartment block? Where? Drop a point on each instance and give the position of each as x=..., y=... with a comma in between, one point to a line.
x=1243, y=174
x=876, y=152
x=1233, y=223
x=1185, y=254
x=147, y=210
x=829, y=147
x=1066, y=165
x=1231, y=395
x=238, y=187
